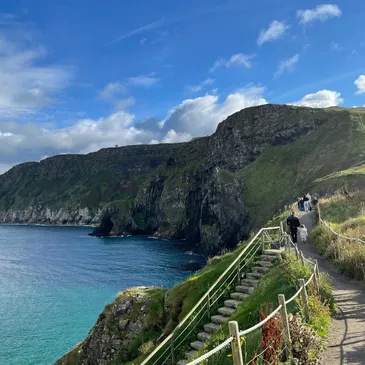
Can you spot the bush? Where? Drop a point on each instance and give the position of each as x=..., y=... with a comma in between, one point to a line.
x=326, y=293
x=307, y=347
x=294, y=270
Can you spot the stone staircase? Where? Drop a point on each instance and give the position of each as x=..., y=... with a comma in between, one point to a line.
x=246, y=287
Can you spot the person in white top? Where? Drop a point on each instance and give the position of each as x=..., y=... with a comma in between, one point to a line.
x=303, y=233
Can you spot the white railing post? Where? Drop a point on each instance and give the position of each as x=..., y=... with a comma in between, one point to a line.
x=304, y=296
x=239, y=272
x=286, y=329
x=263, y=242
x=236, y=343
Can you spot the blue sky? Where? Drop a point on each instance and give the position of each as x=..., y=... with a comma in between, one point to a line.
x=77, y=76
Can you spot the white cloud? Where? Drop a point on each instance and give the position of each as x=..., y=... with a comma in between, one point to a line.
x=26, y=87
x=360, y=83
x=275, y=30
x=148, y=80
x=143, y=41
x=199, y=87
x=19, y=142
x=321, y=12
x=287, y=65
x=145, y=28
x=335, y=46
x=125, y=103
x=111, y=89
x=200, y=116
x=239, y=59
x=173, y=137
x=321, y=99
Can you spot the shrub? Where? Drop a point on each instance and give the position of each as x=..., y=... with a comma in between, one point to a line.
x=307, y=347
x=146, y=347
x=320, y=318
x=294, y=270
x=326, y=293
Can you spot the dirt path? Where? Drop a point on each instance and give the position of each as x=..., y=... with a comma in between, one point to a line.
x=346, y=343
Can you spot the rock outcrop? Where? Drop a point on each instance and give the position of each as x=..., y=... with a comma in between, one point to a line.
x=124, y=322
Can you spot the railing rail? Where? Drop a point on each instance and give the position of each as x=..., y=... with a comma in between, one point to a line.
x=281, y=308
x=167, y=348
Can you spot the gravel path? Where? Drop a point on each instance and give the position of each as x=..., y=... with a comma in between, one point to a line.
x=346, y=343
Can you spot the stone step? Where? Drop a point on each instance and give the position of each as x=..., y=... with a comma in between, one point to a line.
x=204, y=336
x=250, y=282
x=189, y=354
x=260, y=269
x=227, y=312
x=268, y=257
x=239, y=296
x=232, y=303
x=254, y=275
x=211, y=327
x=264, y=263
x=197, y=345
x=273, y=252
x=219, y=319
x=182, y=362
x=245, y=289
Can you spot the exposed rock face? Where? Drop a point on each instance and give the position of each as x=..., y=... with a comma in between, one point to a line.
x=117, y=326
x=195, y=190
x=39, y=215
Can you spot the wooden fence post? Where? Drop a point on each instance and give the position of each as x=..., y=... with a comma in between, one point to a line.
x=301, y=258
x=315, y=279
x=304, y=296
x=286, y=329
x=236, y=343
x=317, y=268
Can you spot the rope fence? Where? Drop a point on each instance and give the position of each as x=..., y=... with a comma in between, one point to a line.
x=173, y=345
x=321, y=221
x=235, y=339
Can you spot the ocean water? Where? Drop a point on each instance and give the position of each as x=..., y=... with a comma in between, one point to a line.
x=54, y=281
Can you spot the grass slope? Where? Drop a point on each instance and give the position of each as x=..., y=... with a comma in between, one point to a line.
x=345, y=213
x=323, y=160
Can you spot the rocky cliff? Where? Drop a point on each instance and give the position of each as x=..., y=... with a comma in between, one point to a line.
x=121, y=329
x=210, y=190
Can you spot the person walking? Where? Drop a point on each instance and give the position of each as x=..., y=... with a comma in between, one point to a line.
x=306, y=203
x=293, y=222
x=303, y=233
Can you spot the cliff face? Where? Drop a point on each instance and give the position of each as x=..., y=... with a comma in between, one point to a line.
x=120, y=330
x=211, y=190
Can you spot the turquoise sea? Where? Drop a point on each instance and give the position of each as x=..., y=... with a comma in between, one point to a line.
x=54, y=281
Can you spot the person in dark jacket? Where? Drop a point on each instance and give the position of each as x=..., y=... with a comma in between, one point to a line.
x=293, y=222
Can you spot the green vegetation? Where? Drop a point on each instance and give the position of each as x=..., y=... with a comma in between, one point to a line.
x=317, y=162
x=280, y=280
x=345, y=213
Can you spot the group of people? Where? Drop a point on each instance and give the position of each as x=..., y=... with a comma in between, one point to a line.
x=296, y=228
x=305, y=203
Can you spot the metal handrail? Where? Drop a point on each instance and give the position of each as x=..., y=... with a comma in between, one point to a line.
x=207, y=296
